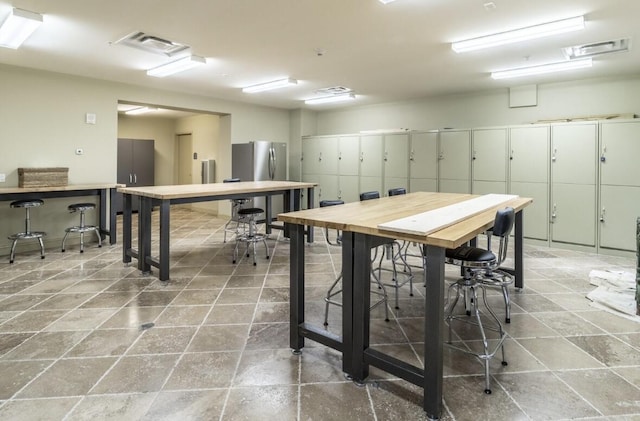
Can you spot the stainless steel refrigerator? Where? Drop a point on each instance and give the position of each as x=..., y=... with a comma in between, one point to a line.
x=259, y=161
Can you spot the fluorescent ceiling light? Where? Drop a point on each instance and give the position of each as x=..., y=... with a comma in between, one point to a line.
x=522, y=34
x=545, y=68
x=17, y=27
x=276, y=84
x=330, y=98
x=185, y=63
x=386, y=1
x=140, y=110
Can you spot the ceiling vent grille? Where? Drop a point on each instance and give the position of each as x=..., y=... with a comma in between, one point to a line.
x=597, y=48
x=334, y=90
x=152, y=44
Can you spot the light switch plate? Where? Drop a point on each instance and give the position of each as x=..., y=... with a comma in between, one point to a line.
x=2, y=178
x=90, y=118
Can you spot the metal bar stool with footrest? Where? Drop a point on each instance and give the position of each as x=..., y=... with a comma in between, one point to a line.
x=82, y=228
x=249, y=233
x=233, y=224
x=476, y=263
x=392, y=250
x=27, y=234
x=335, y=288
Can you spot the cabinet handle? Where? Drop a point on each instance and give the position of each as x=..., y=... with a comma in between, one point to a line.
x=602, y=215
x=411, y=156
x=386, y=154
x=301, y=157
x=135, y=178
x=511, y=156
x=473, y=157
x=440, y=156
x=603, y=158
x=320, y=157
x=553, y=158
x=339, y=156
x=340, y=194
x=553, y=214
x=130, y=178
x=361, y=156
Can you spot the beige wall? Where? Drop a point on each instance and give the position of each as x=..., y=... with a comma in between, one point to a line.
x=42, y=122
x=558, y=100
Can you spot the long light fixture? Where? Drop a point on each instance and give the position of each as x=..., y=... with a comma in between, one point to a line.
x=330, y=98
x=386, y=1
x=185, y=63
x=276, y=84
x=522, y=34
x=17, y=27
x=544, y=68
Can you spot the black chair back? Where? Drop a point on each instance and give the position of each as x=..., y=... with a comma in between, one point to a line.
x=397, y=191
x=325, y=203
x=369, y=195
x=503, y=223
x=231, y=180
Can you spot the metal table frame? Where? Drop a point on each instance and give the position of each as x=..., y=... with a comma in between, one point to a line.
x=354, y=342
x=291, y=197
x=106, y=195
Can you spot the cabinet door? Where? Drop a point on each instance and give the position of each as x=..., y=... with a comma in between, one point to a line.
x=371, y=156
x=348, y=155
x=618, y=213
x=320, y=155
x=423, y=157
x=348, y=188
x=454, y=165
x=396, y=156
x=620, y=149
x=486, y=187
x=423, y=162
x=573, y=213
x=536, y=216
x=574, y=153
x=327, y=187
x=312, y=178
x=125, y=161
x=143, y=162
x=489, y=157
x=529, y=156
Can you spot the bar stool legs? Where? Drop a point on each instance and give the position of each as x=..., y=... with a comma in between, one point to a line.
x=250, y=235
x=27, y=234
x=82, y=228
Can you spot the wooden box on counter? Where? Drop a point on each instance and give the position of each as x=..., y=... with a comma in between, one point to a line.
x=43, y=177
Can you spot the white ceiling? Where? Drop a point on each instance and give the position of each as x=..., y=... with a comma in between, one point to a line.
x=385, y=53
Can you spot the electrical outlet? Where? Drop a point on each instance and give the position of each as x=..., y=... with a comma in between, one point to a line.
x=2, y=178
x=79, y=151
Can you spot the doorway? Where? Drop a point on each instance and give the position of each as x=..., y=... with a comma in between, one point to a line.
x=185, y=158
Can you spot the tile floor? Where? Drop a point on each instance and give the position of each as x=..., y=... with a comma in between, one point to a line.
x=83, y=337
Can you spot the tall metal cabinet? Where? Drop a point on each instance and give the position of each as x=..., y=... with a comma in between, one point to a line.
x=371, y=152
x=348, y=168
x=529, y=175
x=489, y=161
x=396, y=158
x=320, y=165
x=454, y=166
x=619, y=184
x=423, y=162
x=574, y=167
x=135, y=166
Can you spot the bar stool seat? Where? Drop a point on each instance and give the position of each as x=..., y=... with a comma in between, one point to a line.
x=27, y=204
x=82, y=228
x=249, y=233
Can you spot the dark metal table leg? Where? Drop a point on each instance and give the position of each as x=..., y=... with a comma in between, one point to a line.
x=296, y=283
x=144, y=234
x=165, y=215
x=519, y=249
x=126, y=228
x=359, y=311
x=433, y=331
x=310, y=205
x=113, y=235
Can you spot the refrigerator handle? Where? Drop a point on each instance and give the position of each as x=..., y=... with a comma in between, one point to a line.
x=272, y=163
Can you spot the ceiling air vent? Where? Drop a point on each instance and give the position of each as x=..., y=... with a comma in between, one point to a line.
x=334, y=90
x=597, y=48
x=152, y=44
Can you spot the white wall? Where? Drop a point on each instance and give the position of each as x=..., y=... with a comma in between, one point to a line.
x=559, y=100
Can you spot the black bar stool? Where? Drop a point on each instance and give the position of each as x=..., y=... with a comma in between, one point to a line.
x=233, y=225
x=82, y=228
x=27, y=234
x=249, y=235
